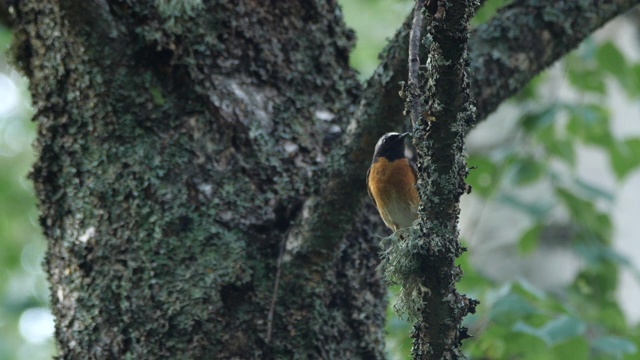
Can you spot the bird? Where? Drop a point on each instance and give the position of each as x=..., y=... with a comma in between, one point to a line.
x=391, y=182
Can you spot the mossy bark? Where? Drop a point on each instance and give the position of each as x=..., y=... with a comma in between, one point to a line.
x=179, y=143
x=439, y=139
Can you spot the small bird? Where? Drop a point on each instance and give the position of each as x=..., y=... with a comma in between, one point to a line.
x=391, y=181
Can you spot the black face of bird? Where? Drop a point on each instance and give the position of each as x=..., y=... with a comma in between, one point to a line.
x=390, y=146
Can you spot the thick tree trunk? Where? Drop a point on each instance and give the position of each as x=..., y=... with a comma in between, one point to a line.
x=178, y=142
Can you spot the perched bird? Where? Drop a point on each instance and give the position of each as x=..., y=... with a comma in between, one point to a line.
x=391, y=181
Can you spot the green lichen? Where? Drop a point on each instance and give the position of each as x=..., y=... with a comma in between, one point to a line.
x=178, y=8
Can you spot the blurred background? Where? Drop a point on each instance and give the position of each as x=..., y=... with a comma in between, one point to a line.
x=26, y=325
x=551, y=226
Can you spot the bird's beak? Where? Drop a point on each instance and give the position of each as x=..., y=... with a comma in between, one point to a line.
x=404, y=135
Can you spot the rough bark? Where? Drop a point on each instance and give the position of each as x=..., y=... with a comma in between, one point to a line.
x=178, y=142
x=446, y=114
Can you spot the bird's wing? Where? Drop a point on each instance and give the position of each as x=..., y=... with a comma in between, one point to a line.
x=414, y=168
x=369, y=188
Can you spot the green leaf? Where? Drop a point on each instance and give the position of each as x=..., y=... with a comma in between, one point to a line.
x=597, y=283
x=614, y=345
x=596, y=253
x=583, y=73
x=585, y=214
x=611, y=60
x=510, y=308
x=590, y=114
x=490, y=344
x=555, y=331
x=575, y=348
x=528, y=290
x=483, y=175
x=536, y=210
x=590, y=123
x=563, y=150
x=524, y=346
x=529, y=240
x=611, y=316
x=635, y=75
x=593, y=191
x=525, y=328
x=625, y=157
x=587, y=80
x=535, y=121
x=526, y=170
x=563, y=328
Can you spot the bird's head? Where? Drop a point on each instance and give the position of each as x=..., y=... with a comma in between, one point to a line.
x=390, y=146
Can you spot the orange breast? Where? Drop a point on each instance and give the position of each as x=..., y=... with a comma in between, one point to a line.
x=392, y=185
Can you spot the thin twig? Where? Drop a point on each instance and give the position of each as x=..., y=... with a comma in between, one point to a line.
x=415, y=110
x=272, y=306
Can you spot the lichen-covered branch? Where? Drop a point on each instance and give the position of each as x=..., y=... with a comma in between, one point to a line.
x=413, y=83
x=439, y=140
x=526, y=37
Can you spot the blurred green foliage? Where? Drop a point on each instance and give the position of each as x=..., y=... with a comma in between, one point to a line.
x=25, y=324
x=375, y=22
x=583, y=320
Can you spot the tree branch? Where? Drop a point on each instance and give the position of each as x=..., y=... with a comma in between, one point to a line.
x=526, y=37
x=413, y=83
x=428, y=280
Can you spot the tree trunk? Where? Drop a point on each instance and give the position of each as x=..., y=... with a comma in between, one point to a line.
x=178, y=142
